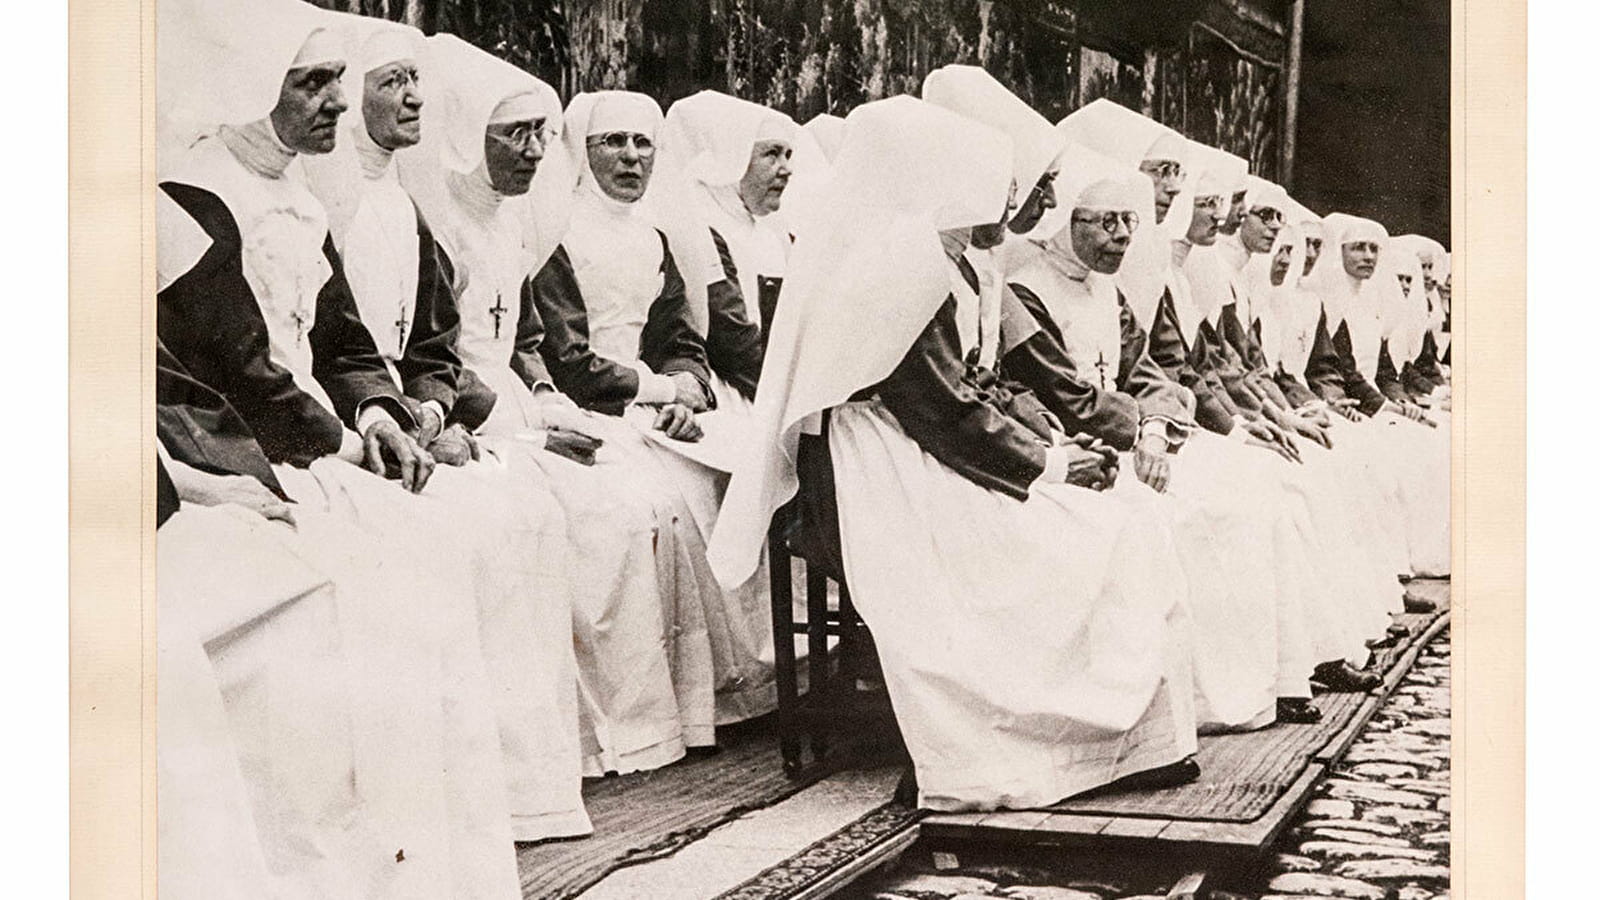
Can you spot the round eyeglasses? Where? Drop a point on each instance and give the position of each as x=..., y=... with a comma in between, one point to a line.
x=524, y=136
x=1165, y=168
x=1268, y=215
x=1212, y=202
x=617, y=141
x=1108, y=220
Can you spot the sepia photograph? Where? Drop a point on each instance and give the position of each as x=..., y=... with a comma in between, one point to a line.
x=798, y=449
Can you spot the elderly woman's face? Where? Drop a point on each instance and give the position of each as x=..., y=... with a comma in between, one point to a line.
x=1206, y=221
x=765, y=178
x=391, y=105
x=1100, y=236
x=1360, y=258
x=1235, y=214
x=1260, y=229
x=1313, y=251
x=310, y=102
x=1280, y=263
x=511, y=153
x=1166, y=175
x=621, y=162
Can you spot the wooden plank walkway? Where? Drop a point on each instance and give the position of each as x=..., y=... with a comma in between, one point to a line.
x=1251, y=787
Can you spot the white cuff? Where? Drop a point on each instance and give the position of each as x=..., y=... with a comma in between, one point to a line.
x=351, y=447
x=373, y=413
x=1057, y=462
x=1239, y=433
x=655, y=388
x=1174, y=433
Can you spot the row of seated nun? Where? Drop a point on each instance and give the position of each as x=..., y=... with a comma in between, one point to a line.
x=473, y=412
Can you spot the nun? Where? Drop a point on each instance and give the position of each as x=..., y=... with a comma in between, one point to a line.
x=720, y=175
x=974, y=93
x=307, y=734
x=263, y=314
x=1247, y=582
x=1355, y=279
x=1423, y=377
x=965, y=520
x=480, y=158
x=1185, y=341
x=621, y=340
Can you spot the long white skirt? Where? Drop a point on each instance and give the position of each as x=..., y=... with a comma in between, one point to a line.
x=1414, y=461
x=617, y=551
x=1348, y=592
x=1224, y=535
x=365, y=739
x=490, y=566
x=1032, y=650
x=219, y=576
x=723, y=658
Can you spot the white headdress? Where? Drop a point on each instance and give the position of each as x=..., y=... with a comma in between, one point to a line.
x=1357, y=302
x=222, y=62
x=907, y=170
x=974, y=93
x=701, y=154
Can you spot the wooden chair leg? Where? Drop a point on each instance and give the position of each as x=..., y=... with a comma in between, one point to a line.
x=850, y=643
x=819, y=691
x=782, y=584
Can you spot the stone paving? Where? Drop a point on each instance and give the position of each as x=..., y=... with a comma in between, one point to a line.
x=1377, y=829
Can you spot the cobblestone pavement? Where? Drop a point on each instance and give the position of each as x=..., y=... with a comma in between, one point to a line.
x=1378, y=828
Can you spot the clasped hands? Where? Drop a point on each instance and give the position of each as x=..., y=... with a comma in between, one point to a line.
x=1083, y=461
x=676, y=419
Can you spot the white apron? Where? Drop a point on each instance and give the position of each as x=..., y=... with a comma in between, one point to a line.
x=283, y=228
x=616, y=260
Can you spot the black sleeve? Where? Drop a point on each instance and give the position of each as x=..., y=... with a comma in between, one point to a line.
x=526, y=358
x=1387, y=379
x=1323, y=373
x=577, y=371
x=1426, y=374
x=166, y=495
x=1139, y=377
x=430, y=368
x=1355, y=384
x=1042, y=365
x=474, y=402
x=669, y=343
x=1242, y=338
x=734, y=344
x=1294, y=390
x=210, y=322
x=1164, y=342
x=1221, y=359
x=198, y=426
x=953, y=422
x=344, y=360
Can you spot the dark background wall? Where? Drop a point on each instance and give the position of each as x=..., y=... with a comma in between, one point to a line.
x=1373, y=128
x=1374, y=134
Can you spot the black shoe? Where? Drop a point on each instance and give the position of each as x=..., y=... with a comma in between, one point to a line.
x=1181, y=772
x=1298, y=711
x=1417, y=605
x=1342, y=678
x=905, y=793
x=1396, y=630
